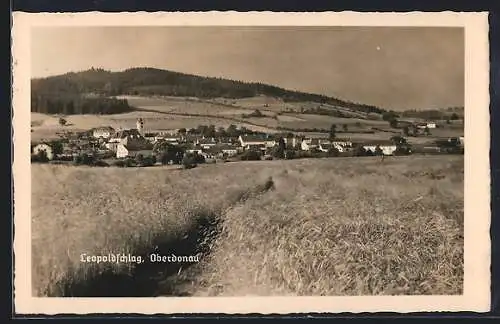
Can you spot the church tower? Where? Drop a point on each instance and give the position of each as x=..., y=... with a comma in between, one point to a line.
x=140, y=125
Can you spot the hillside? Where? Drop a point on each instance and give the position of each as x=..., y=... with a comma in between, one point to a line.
x=150, y=81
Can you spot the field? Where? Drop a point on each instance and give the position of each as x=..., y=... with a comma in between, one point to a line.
x=338, y=226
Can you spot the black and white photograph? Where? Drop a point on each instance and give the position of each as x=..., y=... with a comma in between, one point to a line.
x=253, y=160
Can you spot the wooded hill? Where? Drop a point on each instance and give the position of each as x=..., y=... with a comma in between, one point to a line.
x=58, y=94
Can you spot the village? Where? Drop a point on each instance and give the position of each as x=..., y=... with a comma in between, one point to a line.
x=104, y=146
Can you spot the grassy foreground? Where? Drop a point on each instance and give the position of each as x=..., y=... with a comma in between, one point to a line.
x=325, y=227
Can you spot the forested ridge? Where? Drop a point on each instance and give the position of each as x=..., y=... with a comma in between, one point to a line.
x=89, y=91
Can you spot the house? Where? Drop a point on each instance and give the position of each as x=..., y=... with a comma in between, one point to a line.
x=291, y=141
x=309, y=144
x=253, y=141
x=325, y=147
x=206, y=143
x=194, y=149
x=270, y=142
x=103, y=132
x=426, y=125
x=132, y=150
x=342, y=145
x=229, y=150
x=125, y=137
x=44, y=147
x=387, y=147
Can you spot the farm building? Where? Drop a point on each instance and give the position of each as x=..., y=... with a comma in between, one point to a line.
x=44, y=147
x=103, y=132
x=133, y=150
x=387, y=147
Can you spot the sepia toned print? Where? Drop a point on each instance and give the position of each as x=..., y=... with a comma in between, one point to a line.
x=270, y=161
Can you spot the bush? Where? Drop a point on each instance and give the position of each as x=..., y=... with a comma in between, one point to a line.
x=250, y=155
x=333, y=152
x=40, y=157
x=290, y=154
x=129, y=162
x=101, y=163
x=188, y=162
x=148, y=161
x=119, y=163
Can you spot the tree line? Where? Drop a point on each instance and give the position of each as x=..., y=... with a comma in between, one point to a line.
x=76, y=104
x=150, y=81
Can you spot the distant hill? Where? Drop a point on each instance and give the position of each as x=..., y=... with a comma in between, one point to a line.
x=62, y=93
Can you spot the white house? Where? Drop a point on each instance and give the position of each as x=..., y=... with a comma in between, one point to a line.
x=309, y=144
x=426, y=125
x=387, y=147
x=342, y=145
x=291, y=141
x=132, y=151
x=229, y=150
x=270, y=142
x=206, y=143
x=103, y=132
x=44, y=147
x=194, y=149
x=248, y=141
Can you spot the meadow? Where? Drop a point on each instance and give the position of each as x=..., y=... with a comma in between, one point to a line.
x=337, y=226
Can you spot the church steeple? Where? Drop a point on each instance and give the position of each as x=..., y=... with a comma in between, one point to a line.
x=140, y=125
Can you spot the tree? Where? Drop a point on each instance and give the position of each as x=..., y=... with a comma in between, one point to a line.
x=333, y=130
x=232, y=131
x=42, y=156
x=398, y=140
x=62, y=121
x=256, y=113
x=389, y=115
x=188, y=161
x=345, y=127
x=393, y=123
x=182, y=131
x=221, y=132
x=279, y=150
x=454, y=116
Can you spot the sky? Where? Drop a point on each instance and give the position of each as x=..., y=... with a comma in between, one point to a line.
x=391, y=67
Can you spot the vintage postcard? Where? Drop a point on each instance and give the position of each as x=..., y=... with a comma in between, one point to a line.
x=262, y=162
